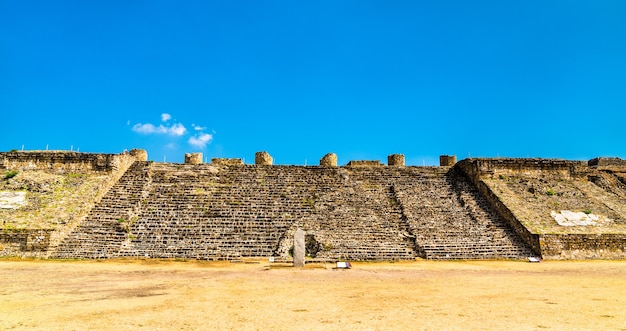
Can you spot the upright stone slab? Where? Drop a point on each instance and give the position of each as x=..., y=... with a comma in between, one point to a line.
x=298, y=248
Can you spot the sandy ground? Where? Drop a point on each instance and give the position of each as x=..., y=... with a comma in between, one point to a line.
x=422, y=295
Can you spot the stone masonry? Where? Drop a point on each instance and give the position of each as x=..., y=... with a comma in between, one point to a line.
x=263, y=158
x=230, y=212
x=475, y=209
x=224, y=161
x=447, y=160
x=193, y=158
x=329, y=160
x=395, y=160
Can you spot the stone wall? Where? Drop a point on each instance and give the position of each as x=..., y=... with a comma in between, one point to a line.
x=583, y=246
x=548, y=245
x=364, y=163
x=229, y=212
x=363, y=211
x=547, y=168
x=607, y=162
x=41, y=242
x=226, y=161
x=24, y=242
x=64, y=161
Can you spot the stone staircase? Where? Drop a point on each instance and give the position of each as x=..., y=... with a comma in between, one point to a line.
x=452, y=221
x=106, y=228
x=225, y=212
x=205, y=212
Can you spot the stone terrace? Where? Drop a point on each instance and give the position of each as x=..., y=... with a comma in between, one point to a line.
x=231, y=211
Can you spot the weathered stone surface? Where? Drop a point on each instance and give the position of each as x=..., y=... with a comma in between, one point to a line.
x=139, y=154
x=571, y=218
x=63, y=162
x=298, y=248
x=525, y=192
x=607, y=162
x=329, y=160
x=226, y=162
x=216, y=212
x=24, y=242
x=193, y=158
x=395, y=160
x=447, y=160
x=364, y=163
x=263, y=158
x=12, y=200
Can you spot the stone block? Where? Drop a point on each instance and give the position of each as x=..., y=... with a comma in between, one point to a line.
x=395, y=160
x=364, y=163
x=193, y=158
x=329, y=160
x=298, y=248
x=263, y=158
x=139, y=154
x=447, y=160
x=226, y=162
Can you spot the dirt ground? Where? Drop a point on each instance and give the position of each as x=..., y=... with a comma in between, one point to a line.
x=422, y=295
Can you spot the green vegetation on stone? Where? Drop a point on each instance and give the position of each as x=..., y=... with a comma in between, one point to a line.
x=10, y=174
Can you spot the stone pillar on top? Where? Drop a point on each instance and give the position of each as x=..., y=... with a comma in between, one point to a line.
x=263, y=158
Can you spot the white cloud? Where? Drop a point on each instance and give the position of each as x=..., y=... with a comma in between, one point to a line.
x=177, y=129
x=174, y=130
x=148, y=128
x=166, y=117
x=200, y=140
x=198, y=128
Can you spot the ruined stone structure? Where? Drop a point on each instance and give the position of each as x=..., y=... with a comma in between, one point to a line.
x=139, y=154
x=447, y=160
x=193, y=158
x=263, y=158
x=528, y=192
x=221, y=161
x=476, y=209
x=329, y=160
x=68, y=162
x=364, y=163
x=395, y=160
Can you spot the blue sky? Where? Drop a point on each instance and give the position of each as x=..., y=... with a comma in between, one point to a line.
x=299, y=79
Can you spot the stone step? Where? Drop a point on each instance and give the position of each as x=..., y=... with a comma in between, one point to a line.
x=208, y=212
